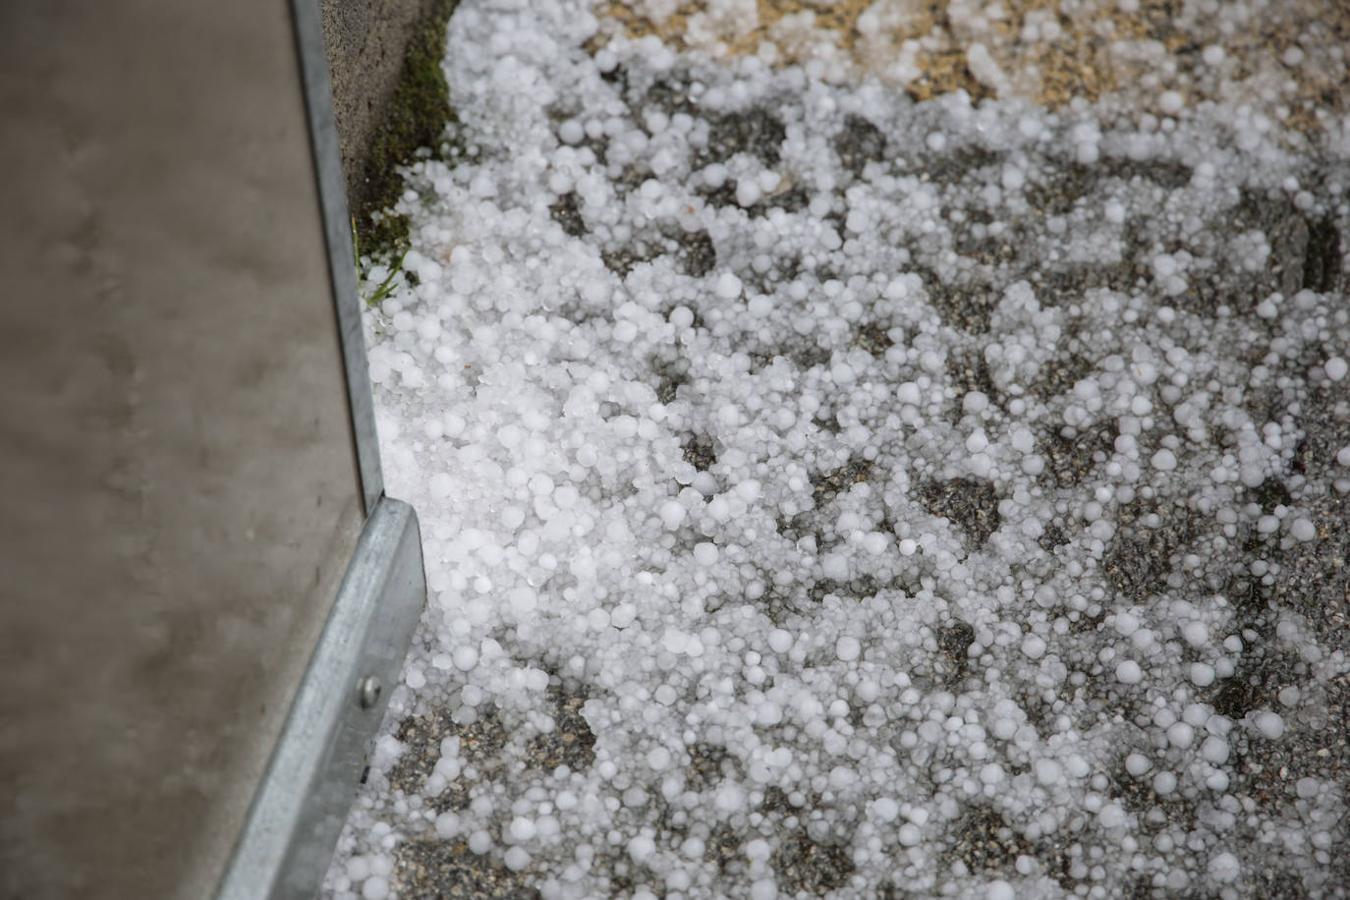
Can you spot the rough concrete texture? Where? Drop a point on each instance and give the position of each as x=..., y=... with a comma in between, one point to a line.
x=1130, y=49
x=367, y=40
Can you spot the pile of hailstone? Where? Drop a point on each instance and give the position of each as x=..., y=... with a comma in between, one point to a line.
x=825, y=494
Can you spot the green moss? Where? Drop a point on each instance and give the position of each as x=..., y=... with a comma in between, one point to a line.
x=416, y=118
x=385, y=234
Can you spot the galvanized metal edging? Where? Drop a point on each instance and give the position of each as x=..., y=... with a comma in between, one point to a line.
x=301, y=803
x=307, y=791
x=323, y=132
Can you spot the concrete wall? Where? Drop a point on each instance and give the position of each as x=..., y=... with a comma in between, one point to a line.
x=366, y=43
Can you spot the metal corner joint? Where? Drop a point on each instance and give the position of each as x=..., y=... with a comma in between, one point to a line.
x=303, y=800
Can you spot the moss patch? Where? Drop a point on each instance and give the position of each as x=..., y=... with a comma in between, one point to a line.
x=416, y=118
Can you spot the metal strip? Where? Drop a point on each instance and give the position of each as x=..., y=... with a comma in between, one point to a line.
x=303, y=800
x=338, y=233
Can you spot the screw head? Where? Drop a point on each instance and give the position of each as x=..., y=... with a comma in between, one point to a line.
x=368, y=691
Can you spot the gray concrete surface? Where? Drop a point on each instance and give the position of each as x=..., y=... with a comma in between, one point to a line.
x=366, y=43
x=181, y=496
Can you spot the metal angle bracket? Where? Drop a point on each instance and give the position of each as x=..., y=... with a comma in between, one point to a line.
x=307, y=791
